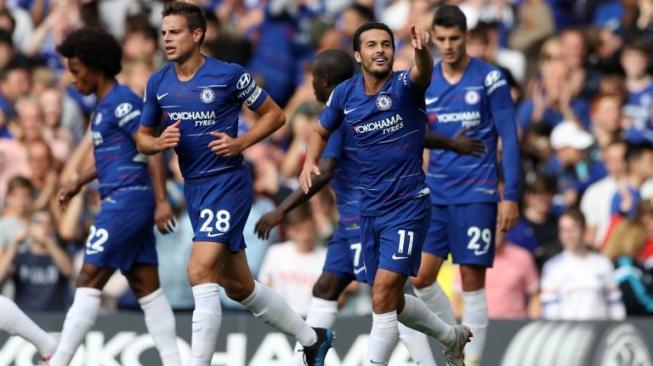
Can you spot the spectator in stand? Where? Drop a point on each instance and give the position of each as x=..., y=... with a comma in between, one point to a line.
x=634, y=280
x=639, y=83
x=534, y=23
x=597, y=200
x=552, y=99
x=44, y=175
x=32, y=128
x=584, y=81
x=14, y=83
x=291, y=268
x=606, y=118
x=537, y=230
x=639, y=162
x=17, y=209
x=578, y=284
x=512, y=283
x=40, y=268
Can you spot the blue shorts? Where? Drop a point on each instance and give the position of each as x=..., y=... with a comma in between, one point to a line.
x=466, y=231
x=123, y=232
x=218, y=207
x=393, y=241
x=344, y=253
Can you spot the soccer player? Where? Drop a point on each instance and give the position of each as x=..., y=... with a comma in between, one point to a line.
x=385, y=110
x=122, y=236
x=196, y=101
x=467, y=93
x=339, y=165
x=15, y=322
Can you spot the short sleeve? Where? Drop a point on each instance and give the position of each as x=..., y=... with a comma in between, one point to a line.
x=332, y=115
x=334, y=145
x=151, y=112
x=128, y=115
x=245, y=89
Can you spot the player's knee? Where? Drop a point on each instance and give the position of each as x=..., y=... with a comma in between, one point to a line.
x=198, y=274
x=422, y=281
x=384, y=299
x=238, y=291
x=327, y=288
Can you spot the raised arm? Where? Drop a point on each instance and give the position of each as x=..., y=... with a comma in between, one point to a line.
x=296, y=198
x=270, y=119
x=420, y=73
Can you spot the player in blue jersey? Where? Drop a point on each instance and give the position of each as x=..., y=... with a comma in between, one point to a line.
x=122, y=236
x=339, y=165
x=384, y=113
x=467, y=93
x=196, y=101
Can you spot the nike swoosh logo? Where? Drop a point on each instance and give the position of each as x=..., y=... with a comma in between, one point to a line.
x=210, y=235
x=395, y=257
x=159, y=97
x=359, y=270
x=347, y=111
x=91, y=252
x=431, y=100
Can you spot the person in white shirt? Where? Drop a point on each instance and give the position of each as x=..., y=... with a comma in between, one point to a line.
x=597, y=199
x=578, y=284
x=292, y=267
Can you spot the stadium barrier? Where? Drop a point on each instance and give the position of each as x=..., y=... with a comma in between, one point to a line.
x=121, y=339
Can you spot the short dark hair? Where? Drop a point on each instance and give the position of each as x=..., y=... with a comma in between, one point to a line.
x=336, y=65
x=369, y=26
x=637, y=44
x=299, y=214
x=19, y=182
x=576, y=215
x=636, y=151
x=95, y=48
x=362, y=11
x=5, y=38
x=194, y=15
x=450, y=16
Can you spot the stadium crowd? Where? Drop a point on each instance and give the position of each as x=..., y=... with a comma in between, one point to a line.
x=582, y=83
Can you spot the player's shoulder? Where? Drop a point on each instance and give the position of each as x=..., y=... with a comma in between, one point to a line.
x=488, y=73
x=222, y=68
x=344, y=89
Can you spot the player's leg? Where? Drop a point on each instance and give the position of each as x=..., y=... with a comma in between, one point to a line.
x=473, y=228
x=15, y=322
x=417, y=344
x=268, y=306
x=82, y=313
x=434, y=252
x=159, y=318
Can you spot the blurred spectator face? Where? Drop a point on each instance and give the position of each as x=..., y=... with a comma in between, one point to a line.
x=550, y=50
x=634, y=63
x=643, y=166
x=19, y=200
x=573, y=48
x=555, y=76
x=570, y=156
x=137, y=75
x=351, y=20
x=450, y=42
x=6, y=50
x=6, y=22
x=39, y=159
x=476, y=47
x=16, y=84
x=376, y=55
x=178, y=40
x=138, y=46
x=52, y=106
x=539, y=202
x=614, y=157
x=330, y=39
x=647, y=220
x=606, y=113
x=303, y=234
x=31, y=118
x=41, y=227
x=570, y=233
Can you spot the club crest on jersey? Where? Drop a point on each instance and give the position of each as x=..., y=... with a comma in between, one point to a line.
x=207, y=95
x=122, y=109
x=472, y=97
x=98, y=119
x=383, y=102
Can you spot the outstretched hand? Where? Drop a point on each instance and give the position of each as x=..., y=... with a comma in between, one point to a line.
x=419, y=38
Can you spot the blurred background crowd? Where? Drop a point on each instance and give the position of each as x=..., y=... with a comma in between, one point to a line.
x=581, y=80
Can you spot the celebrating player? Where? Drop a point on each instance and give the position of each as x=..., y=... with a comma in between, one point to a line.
x=385, y=111
x=197, y=99
x=467, y=93
x=122, y=236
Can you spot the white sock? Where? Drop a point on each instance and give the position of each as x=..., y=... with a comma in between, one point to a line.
x=437, y=301
x=475, y=316
x=417, y=315
x=383, y=338
x=14, y=321
x=79, y=320
x=268, y=306
x=321, y=314
x=418, y=346
x=207, y=317
x=160, y=322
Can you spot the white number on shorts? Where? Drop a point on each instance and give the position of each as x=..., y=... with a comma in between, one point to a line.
x=221, y=220
x=402, y=239
x=476, y=233
x=356, y=247
x=96, y=240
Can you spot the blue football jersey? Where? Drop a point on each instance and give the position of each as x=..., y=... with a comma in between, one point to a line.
x=345, y=181
x=388, y=131
x=210, y=102
x=481, y=102
x=117, y=161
